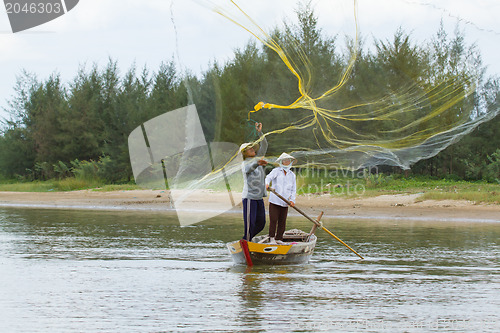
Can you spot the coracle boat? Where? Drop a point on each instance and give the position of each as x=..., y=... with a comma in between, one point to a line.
x=297, y=247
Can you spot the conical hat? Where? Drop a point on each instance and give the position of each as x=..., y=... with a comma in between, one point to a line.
x=285, y=156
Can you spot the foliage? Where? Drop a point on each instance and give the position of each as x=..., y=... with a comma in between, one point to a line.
x=79, y=130
x=493, y=167
x=101, y=170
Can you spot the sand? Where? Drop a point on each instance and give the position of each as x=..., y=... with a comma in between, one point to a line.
x=396, y=207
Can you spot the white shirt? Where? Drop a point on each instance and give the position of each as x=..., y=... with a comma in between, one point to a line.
x=283, y=185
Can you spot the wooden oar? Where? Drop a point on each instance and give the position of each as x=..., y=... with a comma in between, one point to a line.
x=313, y=221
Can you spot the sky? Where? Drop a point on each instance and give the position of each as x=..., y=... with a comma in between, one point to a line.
x=147, y=32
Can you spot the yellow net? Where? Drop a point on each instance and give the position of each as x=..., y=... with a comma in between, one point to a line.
x=350, y=118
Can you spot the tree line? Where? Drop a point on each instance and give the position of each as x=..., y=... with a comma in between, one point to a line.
x=56, y=128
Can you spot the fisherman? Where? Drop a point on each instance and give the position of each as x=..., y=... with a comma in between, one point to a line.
x=283, y=181
x=254, y=213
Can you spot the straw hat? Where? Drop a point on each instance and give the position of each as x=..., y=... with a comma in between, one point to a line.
x=247, y=145
x=285, y=156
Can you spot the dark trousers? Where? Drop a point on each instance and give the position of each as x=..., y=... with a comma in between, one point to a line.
x=254, y=215
x=277, y=218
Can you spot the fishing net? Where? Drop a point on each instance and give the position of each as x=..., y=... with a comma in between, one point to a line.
x=396, y=104
x=327, y=95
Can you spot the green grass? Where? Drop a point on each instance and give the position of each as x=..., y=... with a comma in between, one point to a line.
x=374, y=185
x=67, y=184
x=348, y=187
x=28, y=187
x=476, y=197
x=120, y=187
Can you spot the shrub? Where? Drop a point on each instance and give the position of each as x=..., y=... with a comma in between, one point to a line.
x=492, y=173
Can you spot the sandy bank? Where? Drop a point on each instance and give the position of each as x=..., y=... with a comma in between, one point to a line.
x=381, y=207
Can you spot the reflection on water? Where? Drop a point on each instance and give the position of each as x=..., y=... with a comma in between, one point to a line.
x=77, y=271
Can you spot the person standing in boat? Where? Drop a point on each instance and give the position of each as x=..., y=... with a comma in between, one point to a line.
x=254, y=213
x=283, y=181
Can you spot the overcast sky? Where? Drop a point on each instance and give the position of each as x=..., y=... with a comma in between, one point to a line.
x=147, y=32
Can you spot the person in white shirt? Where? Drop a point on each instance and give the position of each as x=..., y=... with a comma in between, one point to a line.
x=283, y=180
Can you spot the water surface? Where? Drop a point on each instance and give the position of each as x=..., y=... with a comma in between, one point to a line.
x=84, y=271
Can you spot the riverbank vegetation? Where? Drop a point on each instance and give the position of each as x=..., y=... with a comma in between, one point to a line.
x=427, y=188
x=66, y=184
x=73, y=135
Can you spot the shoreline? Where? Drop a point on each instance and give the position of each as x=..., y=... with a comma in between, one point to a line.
x=387, y=207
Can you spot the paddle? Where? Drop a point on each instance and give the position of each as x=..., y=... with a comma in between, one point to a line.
x=313, y=221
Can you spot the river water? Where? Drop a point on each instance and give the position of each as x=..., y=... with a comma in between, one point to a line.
x=84, y=271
